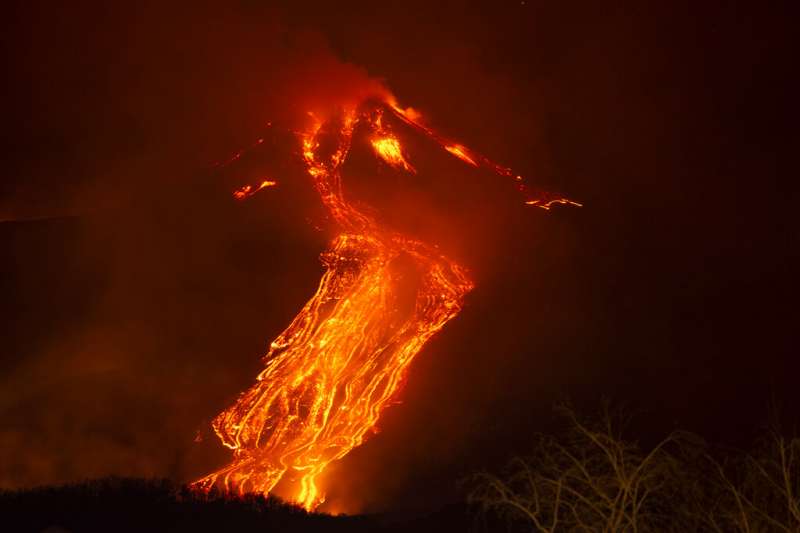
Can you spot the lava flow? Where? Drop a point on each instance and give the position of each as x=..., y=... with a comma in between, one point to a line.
x=329, y=375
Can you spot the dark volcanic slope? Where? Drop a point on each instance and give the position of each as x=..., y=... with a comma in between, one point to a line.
x=134, y=505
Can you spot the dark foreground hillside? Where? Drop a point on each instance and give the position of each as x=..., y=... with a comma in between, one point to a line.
x=128, y=505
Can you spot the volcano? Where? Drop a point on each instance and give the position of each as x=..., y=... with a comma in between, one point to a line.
x=389, y=286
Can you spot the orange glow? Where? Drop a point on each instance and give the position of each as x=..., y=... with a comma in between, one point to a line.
x=548, y=203
x=388, y=149
x=534, y=197
x=248, y=190
x=462, y=153
x=330, y=374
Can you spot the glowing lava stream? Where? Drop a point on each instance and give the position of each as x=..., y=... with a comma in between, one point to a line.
x=329, y=375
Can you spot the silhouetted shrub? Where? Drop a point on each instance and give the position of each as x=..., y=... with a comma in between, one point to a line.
x=592, y=479
x=120, y=504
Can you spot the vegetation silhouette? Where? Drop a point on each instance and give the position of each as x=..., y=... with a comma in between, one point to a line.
x=153, y=505
x=591, y=478
x=124, y=504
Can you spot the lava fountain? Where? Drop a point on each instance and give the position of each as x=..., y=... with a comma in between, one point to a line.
x=332, y=371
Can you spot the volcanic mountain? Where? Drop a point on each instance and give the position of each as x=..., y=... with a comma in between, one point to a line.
x=388, y=288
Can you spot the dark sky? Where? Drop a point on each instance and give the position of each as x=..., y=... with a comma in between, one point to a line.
x=137, y=296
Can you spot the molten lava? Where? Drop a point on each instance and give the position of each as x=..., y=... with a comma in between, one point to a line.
x=248, y=190
x=330, y=374
x=462, y=153
x=388, y=149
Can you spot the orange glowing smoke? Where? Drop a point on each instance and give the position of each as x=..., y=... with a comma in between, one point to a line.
x=329, y=375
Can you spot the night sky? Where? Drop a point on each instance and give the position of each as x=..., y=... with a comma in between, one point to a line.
x=137, y=296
